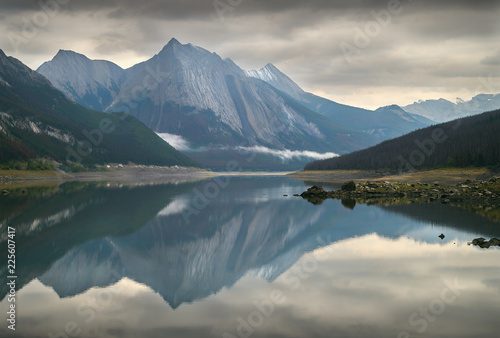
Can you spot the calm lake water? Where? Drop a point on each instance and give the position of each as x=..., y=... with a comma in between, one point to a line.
x=233, y=257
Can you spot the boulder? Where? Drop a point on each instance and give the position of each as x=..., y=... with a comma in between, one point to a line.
x=495, y=241
x=348, y=186
x=478, y=241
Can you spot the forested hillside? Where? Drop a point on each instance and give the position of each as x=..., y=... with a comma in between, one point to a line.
x=470, y=141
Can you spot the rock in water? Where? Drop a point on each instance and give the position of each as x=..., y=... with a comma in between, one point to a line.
x=482, y=243
x=441, y=236
x=348, y=186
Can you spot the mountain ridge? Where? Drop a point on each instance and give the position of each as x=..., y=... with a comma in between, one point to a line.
x=442, y=110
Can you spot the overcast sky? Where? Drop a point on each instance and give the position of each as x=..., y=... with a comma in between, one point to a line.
x=364, y=53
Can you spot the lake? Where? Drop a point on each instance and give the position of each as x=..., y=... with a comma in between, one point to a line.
x=234, y=257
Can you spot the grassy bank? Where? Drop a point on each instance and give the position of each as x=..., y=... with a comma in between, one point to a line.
x=441, y=176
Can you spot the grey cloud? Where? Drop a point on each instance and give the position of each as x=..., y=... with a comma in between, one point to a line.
x=492, y=60
x=182, y=8
x=426, y=45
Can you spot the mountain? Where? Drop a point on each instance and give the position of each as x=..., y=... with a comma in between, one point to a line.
x=443, y=110
x=93, y=84
x=188, y=91
x=217, y=107
x=470, y=141
x=383, y=124
x=37, y=120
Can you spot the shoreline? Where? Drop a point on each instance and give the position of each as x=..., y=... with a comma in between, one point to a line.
x=11, y=178
x=118, y=173
x=447, y=176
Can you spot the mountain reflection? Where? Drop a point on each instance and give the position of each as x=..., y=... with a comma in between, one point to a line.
x=94, y=235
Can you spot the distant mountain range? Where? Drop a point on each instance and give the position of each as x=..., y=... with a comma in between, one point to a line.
x=469, y=141
x=217, y=107
x=443, y=110
x=37, y=120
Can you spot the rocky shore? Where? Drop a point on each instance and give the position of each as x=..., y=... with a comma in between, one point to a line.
x=468, y=190
x=483, y=195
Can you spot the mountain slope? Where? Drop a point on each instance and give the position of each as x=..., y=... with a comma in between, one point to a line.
x=384, y=123
x=471, y=141
x=37, y=120
x=443, y=110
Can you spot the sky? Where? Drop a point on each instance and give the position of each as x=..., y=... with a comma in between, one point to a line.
x=364, y=53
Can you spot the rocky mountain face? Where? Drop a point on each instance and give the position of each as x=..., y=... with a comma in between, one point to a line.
x=37, y=120
x=443, y=110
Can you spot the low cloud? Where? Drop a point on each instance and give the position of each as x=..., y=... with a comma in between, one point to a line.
x=288, y=154
x=175, y=141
